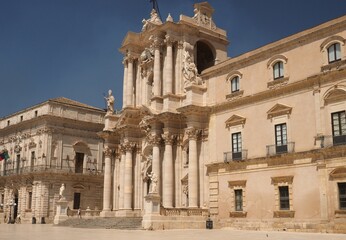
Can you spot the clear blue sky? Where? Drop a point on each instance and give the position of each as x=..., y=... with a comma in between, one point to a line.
x=53, y=48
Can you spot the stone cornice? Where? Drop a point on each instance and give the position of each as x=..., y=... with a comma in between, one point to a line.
x=193, y=109
x=307, y=84
x=266, y=52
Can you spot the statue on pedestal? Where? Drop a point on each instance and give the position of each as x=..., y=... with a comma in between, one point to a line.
x=154, y=179
x=110, y=102
x=61, y=191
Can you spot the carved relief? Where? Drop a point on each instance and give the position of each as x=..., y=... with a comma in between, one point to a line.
x=190, y=72
x=108, y=151
x=153, y=20
x=169, y=138
x=192, y=133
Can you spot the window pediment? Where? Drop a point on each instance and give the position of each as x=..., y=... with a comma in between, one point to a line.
x=279, y=110
x=335, y=95
x=233, y=74
x=339, y=172
x=282, y=179
x=326, y=43
x=275, y=59
x=235, y=120
x=239, y=183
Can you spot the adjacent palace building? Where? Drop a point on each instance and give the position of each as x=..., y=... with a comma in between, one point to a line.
x=257, y=141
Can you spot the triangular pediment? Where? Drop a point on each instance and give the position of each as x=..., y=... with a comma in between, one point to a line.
x=279, y=110
x=335, y=95
x=235, y=120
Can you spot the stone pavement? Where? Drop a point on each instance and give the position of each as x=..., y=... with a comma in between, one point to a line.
x=49, y=232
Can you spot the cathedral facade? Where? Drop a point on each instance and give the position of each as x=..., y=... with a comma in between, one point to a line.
x=254, y=142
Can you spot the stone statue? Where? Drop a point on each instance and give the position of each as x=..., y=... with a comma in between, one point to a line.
x=110, y=102
x=61, y=191
x=153, y=178
x=154, y=18
x=147, y=55
x=190, y=72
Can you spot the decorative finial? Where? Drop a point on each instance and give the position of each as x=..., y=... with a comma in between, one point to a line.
x=169, y=18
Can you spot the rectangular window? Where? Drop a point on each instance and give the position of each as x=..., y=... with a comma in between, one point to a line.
x=278, y=70
x=235, y=84
x=36, y=113
x=339, y=127
x=342, y=195
x=21, y=118
x=238, y=195
x=8, y=122
x=284, y=198
x=236, y=146
x=30, y=200
x=281, y=138
x=334, y=53
x=76, y=200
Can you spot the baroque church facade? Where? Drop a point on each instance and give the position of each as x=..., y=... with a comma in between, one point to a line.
x=254, y=142
x=51, y=144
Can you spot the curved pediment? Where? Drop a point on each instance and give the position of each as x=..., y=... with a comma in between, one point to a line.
x=235, y=120
x=279, y=110
x=335, y=95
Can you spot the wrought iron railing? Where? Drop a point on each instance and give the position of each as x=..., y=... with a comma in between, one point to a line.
x=235, y=156
x=280, y=149
x=50, y=169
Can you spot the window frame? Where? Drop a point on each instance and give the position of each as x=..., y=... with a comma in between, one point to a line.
x=342, y=197
x=278, y=66
x=336, y=52
x=235, y=84
x=238, y=200
x=338, y=121
x=284, y=200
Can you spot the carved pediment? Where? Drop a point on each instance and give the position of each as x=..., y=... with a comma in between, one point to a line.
x=282, y=179
x=279, y=110
x=335, y=95
x=235, y=120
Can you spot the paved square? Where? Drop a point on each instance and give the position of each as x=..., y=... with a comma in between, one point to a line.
x=49, y=232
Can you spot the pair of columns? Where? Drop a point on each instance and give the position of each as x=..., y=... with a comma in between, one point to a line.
x=168, y=167
x=126, y=178
x=128, y=99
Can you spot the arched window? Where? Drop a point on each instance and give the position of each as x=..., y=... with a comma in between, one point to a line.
x=235, y=84
x=334, y=52
x=278, y=70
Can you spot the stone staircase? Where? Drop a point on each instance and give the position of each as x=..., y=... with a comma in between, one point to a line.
x=124, y=223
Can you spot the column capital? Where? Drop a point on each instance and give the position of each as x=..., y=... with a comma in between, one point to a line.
x=180, y=44
x=156, y=41
x=154, y=139
x=108, y=151
x=169, y=138
x=128, y=146
x=169, y=40
x=192, y=133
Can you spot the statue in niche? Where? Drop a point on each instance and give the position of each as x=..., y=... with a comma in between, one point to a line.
x=61, y=191
x=146, y=164
x=154, y=179
x=110, y=102
x=190, y=72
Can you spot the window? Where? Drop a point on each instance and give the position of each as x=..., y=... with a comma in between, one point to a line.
x=236, y=146
x=278, y=70
x=281, y=138
x=339, y=127
x=238, y=195
x=8, y=122
x=235, y=84
x=36, y=113
x=334, y=53
x=29, y=201
x=284, y=198
x=21, y=118
x=342, y=195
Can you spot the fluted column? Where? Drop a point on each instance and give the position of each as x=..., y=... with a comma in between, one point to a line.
x=169, y=66
x=193, y=167
x=128, y=190
x=107, y=180
x=157, y=67
x=129, y=92
x=167, y=178
x=121, y=177
x=156, y=141
x=125, y=84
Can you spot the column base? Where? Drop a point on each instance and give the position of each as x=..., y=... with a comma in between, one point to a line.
x=107, y=213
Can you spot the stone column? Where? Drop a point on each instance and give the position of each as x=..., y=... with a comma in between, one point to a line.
x=156, y=141
x=193, y=167
x=107, y=180
x=169, y=66
x=178, y=68
x=125, y=83
x=116, y=183
x=122, y=177
x=129, y=92
x=157, y=67
x=167, y=179
x=128, y=190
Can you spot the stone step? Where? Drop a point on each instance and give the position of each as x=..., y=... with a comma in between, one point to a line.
x=109, y=223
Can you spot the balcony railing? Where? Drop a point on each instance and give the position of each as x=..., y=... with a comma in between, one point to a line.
x=280, y=149
x=48, y=169
x=234, y=156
